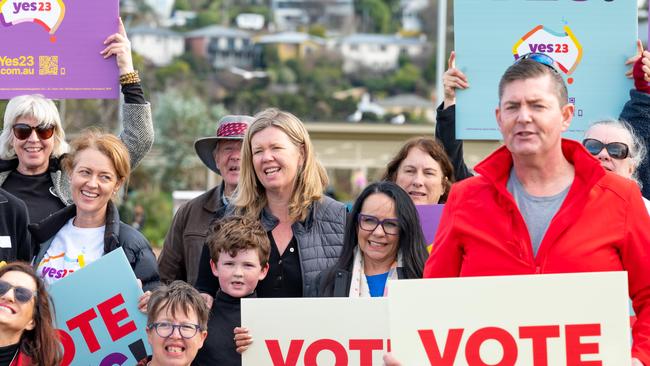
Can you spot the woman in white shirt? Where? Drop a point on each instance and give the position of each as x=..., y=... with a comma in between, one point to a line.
x=77, y=235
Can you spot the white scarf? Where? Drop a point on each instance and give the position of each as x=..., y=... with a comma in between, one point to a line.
x=359, y=284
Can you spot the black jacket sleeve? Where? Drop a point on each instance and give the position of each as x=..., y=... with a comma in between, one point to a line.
x=446, y=134
x=637, y=113
x=205, y=280
x=133, y=94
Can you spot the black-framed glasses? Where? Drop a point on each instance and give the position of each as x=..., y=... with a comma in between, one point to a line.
x=21, y=294
x=540, y=58
x=616, y=150
x=370, y=223
x=22, y=131
x=166, y=329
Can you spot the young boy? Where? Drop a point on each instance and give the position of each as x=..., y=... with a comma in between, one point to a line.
x=176, y=322
x=239, y=251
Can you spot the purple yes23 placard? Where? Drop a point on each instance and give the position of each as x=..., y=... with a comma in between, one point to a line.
x=51, y=47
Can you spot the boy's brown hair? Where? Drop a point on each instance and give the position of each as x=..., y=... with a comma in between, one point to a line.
x=234, y=233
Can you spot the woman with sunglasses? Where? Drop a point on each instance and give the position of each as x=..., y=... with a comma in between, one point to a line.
x=33, y=141
x=383, y=241
x=616, y=146
x=72, y=238
x=177, y=320
x=27, y=337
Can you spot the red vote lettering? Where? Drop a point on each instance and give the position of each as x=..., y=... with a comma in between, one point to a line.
x=82, y=321
x=473, y=347
x=292, y=354
x=538, y=335
x=112, y=319
x=68, y=347
x=365, y=348
x=575, y=349
x=430, y=344
x=340, y=354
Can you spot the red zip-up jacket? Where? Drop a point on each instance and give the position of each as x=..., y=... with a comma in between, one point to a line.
x=602, y=225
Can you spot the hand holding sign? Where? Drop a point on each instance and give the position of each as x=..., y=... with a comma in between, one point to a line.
x=120, y=46
x=453, y=79
x=632, y=60
x=243, y=339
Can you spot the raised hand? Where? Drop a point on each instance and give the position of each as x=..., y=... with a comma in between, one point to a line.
x=452, y=79
x=119, y=45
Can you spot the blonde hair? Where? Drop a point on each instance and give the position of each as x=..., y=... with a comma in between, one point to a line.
x=108, y=144
x=311, y=178
x=39, y=108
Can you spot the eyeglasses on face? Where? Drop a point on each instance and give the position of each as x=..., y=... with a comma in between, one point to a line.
x=166, y=329
x=370, y=223
x=540, y=58
x=21, y=294
x=616, y=150
x=22, y=131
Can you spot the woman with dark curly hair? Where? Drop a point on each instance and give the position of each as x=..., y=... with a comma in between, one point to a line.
x=27, y=336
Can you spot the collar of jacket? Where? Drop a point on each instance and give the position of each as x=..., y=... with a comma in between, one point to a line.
x=12, y=164
x=214, y=203
x=496, y=167
x=269, y=222
x=46, y=229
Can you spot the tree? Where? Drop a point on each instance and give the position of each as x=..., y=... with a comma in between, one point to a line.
x=406, y=78
x=180, y=119
x=376, y=16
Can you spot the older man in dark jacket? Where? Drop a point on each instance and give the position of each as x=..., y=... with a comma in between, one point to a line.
x=179, y=259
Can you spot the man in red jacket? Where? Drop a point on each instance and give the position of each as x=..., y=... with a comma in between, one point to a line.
x=543, y=204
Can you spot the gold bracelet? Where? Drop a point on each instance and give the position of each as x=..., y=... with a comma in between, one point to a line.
x=130, y=78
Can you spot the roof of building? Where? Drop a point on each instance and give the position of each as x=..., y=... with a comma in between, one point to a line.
x=405, y=100
x=289, y=37
x=217, y=31
x=147, y=30
x=366, y=38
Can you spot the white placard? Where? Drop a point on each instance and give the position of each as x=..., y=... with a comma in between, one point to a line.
x=315, y=331
x=511, y=320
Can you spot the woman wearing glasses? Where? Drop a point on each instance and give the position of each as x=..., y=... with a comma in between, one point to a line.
x=27, y=336
x=177, y=320
x=383, y=241
x=33, y=140
x=70, y=239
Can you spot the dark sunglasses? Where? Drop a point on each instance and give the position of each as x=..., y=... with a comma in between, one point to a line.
x=21, y=294
x=540, y=58
x=22, y=131
x=616, y=150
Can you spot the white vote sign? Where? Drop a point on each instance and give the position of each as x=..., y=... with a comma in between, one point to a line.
x=315, y=331
x=537, y=320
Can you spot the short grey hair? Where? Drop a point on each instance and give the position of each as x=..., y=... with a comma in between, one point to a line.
x=638, y=150
x=39, y=108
